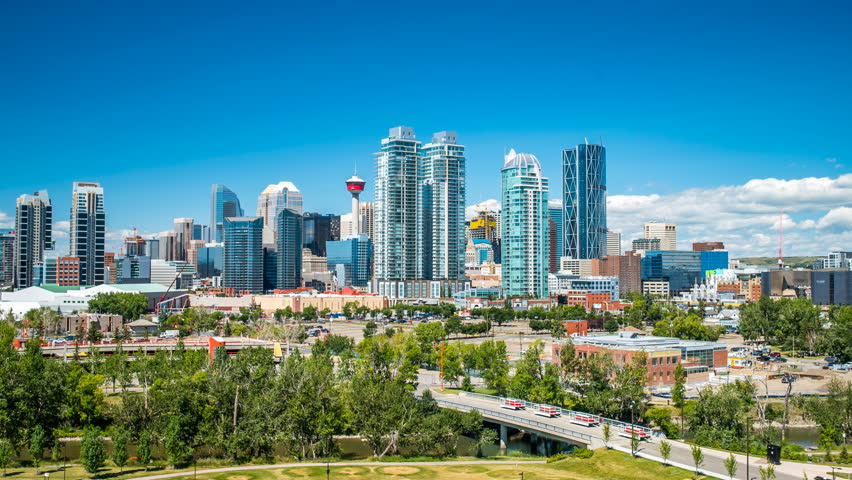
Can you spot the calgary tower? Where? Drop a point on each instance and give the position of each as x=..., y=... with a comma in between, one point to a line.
x=355, y=186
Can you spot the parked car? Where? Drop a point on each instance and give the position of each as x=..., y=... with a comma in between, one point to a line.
x=775, y=354
x=831, y=359
x=763, y=358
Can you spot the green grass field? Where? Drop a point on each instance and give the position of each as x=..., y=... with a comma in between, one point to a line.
x=604, y=465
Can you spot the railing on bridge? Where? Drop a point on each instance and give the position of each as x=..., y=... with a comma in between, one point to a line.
x=541, y=426
x=570, y=414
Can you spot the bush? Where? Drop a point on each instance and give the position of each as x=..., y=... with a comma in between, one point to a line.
x=557, y=457
x=583, y=452
x=793, y=452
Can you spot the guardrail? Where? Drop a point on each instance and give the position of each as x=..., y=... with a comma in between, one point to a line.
x=541, y=426
x=619, y=425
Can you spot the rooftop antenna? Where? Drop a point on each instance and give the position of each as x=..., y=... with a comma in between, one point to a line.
x=781, y=240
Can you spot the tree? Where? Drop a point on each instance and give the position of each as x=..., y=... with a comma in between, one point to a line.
x=370, y=329
x=129, y=305
x=665, y=451
x=731, y=466
x=143, y=448
x=120, y=436
x=679, y=391
x=697, y=458
x=93, y=450
x=634, y=444
x=607, y=434
x=93, y=333
x=6, y=453
x=767, y=473
x=38, y=441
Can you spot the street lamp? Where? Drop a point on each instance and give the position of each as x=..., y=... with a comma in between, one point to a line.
x=748, y=444
x=833, y=468
x=327, y=471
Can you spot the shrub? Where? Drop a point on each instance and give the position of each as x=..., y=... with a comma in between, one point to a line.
x=557, y=457
x=583, y=452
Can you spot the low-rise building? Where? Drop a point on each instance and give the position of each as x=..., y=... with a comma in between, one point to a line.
x=332, y=301
x=664, y=354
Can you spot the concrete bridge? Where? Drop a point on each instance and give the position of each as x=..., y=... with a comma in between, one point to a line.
x=561, y=428
x=152, y=345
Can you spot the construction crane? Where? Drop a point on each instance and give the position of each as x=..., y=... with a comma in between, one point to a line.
x=177, y=275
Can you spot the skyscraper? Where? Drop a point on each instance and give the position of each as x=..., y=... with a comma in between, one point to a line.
x=584, y=201
x=243, y=256
x=319, y=229
x=223, y=203
x=88, y=231
x=7, y=256
x=33, y=235
x=350, y=260
x=277, y=197
x=440, y=202
x=166, y=246
x=289, y=249
x=666, y=232
x=396, y=206
x=524, y=226
x=554, y=210
x=183, y=235
x=368, y=218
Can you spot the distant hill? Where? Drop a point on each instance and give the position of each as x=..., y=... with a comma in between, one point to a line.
x=794, y=262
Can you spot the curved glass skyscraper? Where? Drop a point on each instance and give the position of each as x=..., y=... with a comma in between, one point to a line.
x=524, y=226
x=223, y=203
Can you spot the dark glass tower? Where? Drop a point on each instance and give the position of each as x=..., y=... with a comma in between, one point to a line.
x=243, y=265
x=223, y=203
x=584, y=201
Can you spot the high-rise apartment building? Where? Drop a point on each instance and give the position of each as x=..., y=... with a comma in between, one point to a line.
x=524, y=226
x=183, y=235
x=441, y=195
x=584, y=201
x=289, y=249
x=613, y=243
x=88, y=231
x=243, y=255
x=666, y=232
x=642, y=245
x=223, y=203
x=33, y=235
x=396, y=206
x=152, y=247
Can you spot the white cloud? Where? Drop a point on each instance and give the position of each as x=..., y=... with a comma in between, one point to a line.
x=6, y=221
x=747, y=217
x=831, y=160
x=62, y=225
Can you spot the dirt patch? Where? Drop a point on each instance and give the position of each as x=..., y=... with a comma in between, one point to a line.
x=349, y=470
x=297, y=472
x=467, y=469
x=400, y=470
x=238, y=477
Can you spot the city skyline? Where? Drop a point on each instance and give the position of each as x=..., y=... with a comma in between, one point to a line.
x=172, y=122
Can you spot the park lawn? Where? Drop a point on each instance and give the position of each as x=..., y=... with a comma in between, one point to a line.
x=604, y=465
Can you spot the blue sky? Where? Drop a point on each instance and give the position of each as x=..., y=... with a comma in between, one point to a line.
x=158, y=102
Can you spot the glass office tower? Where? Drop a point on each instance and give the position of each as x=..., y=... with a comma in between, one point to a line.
x=88, y=231
x=33, y=235
x=288, y=254
x=584, y=201
x=223, y=203
x=243, y=255
x=350, y=260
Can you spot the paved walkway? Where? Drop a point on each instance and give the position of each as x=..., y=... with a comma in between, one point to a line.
x=338, y=464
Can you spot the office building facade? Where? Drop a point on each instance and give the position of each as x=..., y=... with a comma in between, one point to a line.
x=88, y=231
x=33, y=235
x=613, y=243
x=320, y=229
x=275, y=198
x=584, y=201
x=289, y=249
x=243, y=254
x=666, y=232
x=832, y=287
x=211, y=260
x=350, y=261
x=183, y=235
x=524, y=226
x=555, y=236
x=223, y=203
x=7, y=257
x=681, y=269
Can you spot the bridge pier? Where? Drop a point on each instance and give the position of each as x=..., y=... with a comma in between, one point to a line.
x=504, y=436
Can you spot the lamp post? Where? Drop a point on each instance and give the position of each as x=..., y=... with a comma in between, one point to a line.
x=327, y=471
x=748, y=444
x=522, y=475
x=833, y=469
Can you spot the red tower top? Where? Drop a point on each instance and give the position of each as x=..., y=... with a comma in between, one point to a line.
x=355, y=184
